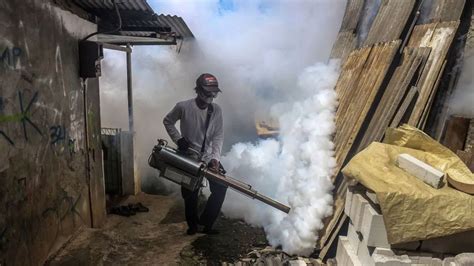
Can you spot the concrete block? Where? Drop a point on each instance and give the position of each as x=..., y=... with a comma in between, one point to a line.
x=297, y=263
x=464, y=259
x=369, y=256
x=357, y=210
x=373, y=228
x=383, y=252
x=382, y=260
x=428, y=261
x=345, y=255
x=372, y=197
x=353, y=237
x=364, y=253
x=347, y=205
x=420, y=169
x=451, y=261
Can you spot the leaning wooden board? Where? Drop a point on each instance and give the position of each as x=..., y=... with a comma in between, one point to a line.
x=360, y=80
x=397, y=88
x=438, y=37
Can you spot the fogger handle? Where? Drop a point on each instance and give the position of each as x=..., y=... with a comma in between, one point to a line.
x=244, y=189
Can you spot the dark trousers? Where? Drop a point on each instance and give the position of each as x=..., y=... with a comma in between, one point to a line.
x=212, y=209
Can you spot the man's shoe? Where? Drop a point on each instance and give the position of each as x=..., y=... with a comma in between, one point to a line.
x=191, y=231
x=210, y=231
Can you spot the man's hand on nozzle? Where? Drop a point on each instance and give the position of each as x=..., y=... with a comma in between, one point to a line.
x=183, y=144
x=213, y=165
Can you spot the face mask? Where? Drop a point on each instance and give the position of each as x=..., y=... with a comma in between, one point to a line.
x=207, y=97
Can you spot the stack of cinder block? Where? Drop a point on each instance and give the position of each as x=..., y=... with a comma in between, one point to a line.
x=366, y=241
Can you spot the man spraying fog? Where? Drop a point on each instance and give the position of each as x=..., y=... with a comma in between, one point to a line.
x=201, y=129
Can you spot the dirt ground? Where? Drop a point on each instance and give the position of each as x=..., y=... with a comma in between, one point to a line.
x=158, y=237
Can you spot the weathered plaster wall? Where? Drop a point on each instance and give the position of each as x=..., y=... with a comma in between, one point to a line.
x=44, y=186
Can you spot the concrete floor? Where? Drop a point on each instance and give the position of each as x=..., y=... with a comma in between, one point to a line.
x=139, y=239
x=158, y=237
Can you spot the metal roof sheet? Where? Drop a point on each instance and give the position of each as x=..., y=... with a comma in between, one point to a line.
x=137, y=16
x=176, y=24
x=139, y=5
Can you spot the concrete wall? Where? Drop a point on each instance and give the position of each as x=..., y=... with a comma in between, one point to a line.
x=46, y=193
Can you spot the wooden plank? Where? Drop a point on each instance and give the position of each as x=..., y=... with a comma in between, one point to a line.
x=404, y=107
x=426, y=112
x=348, y=78
x=455, y=133
x=441, y=10
x=352, y=15
x=359, y=82
x=385, y=28
x=438, y=37
x=346, y=42
x=356, y=101
x=392, y=98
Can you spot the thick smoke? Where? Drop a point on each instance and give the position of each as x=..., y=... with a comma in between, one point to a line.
x=265, y=55
x=296, y=168
x=463, y=97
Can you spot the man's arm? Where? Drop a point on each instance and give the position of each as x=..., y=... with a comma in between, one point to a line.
x=169, y=122
x=218, y=137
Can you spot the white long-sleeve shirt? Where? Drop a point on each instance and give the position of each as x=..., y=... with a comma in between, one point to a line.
x=192, y=126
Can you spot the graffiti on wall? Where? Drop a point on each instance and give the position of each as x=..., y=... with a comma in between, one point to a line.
x=59, y=134
x=3, y=134
x=23, y=117
x=63, y=206
x=10, y=56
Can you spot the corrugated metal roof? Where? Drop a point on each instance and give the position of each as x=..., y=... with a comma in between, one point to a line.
x=137, y=16
x=176, y=24
x=138, y=5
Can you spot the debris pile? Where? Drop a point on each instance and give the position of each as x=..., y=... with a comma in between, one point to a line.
x=271, y=256
x=397, y=214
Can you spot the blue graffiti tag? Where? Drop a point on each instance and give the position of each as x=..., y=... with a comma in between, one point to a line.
x=10, y=56
x=58, y=133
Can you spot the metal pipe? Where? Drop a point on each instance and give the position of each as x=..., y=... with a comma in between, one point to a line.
x=129, y=91
x=244, y=189
x=194, y=169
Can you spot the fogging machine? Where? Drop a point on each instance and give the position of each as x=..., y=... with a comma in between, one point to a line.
x=188, y=172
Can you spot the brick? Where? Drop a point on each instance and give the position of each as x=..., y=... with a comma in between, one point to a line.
x=345, y=255
x=373, y=228
x=420, y=169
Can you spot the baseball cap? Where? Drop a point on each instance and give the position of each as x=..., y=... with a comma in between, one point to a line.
x=208, y=82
